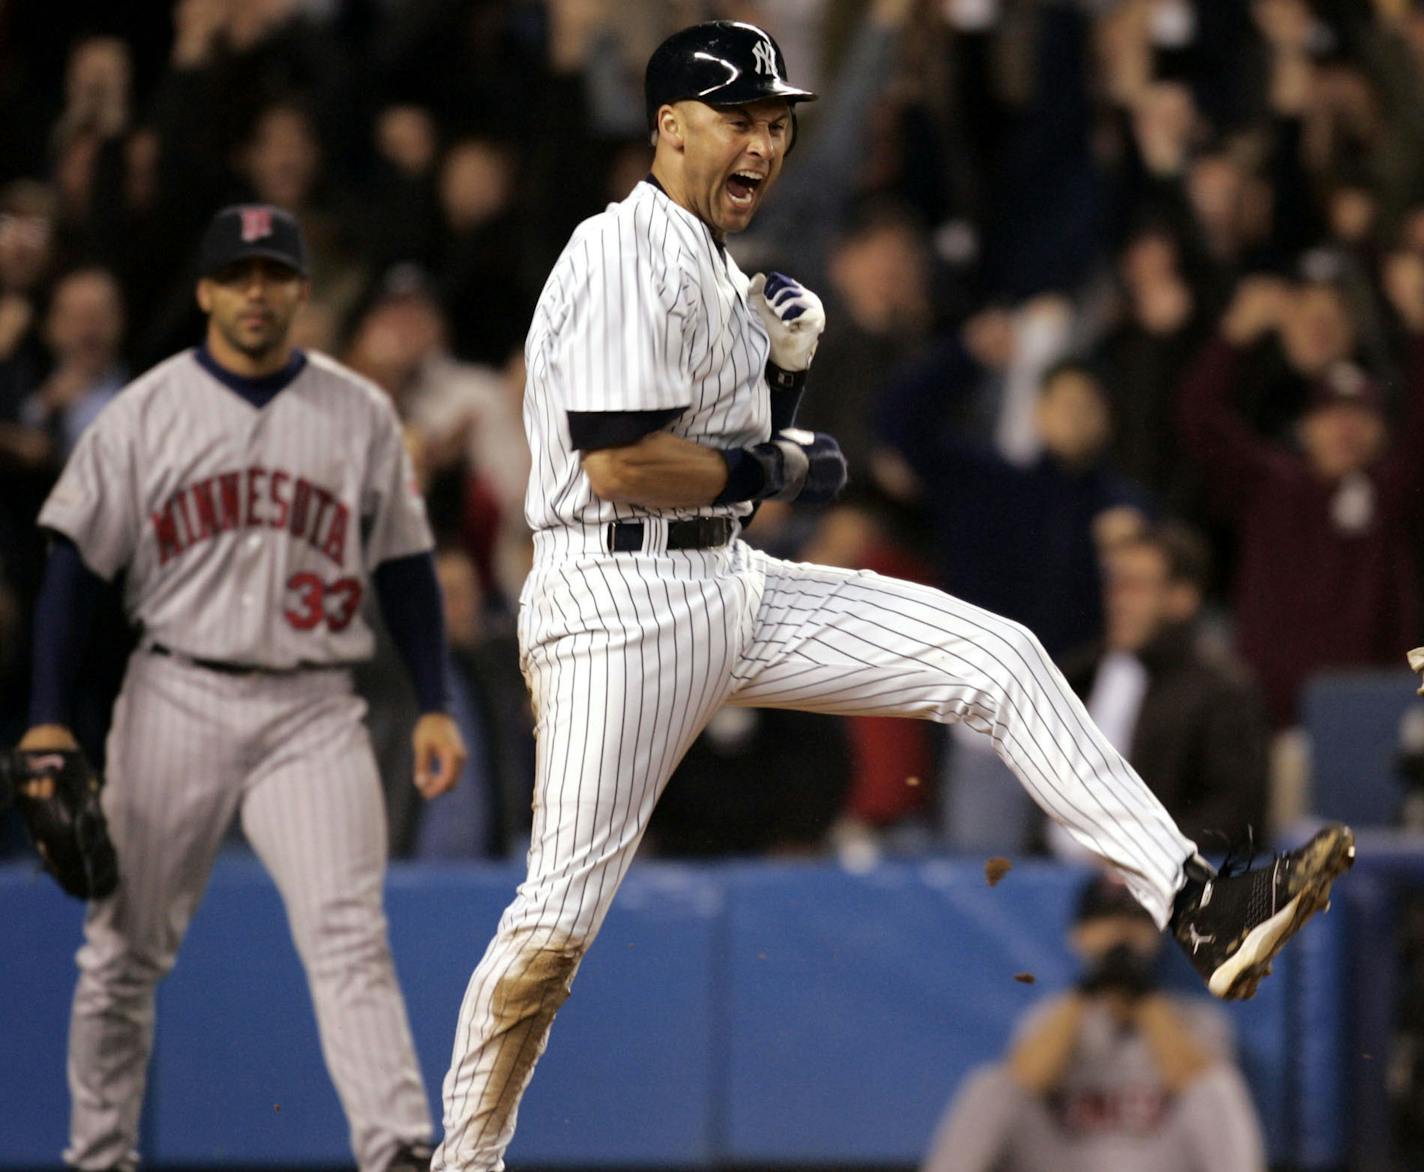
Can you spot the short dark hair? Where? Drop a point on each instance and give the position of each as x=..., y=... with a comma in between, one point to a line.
x=1184, y=551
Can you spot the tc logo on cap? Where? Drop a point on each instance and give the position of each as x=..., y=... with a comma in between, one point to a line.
x=256, y=224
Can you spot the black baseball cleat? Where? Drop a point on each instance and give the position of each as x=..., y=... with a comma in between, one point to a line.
x=411, y=1158
x=1232, y=925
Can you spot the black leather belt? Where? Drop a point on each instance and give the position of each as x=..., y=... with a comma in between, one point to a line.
x=693, y=533
x=236, y=669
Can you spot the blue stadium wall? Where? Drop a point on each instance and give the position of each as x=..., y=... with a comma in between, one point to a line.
x=760, y=1014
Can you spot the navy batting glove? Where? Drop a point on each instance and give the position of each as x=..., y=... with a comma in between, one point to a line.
x=815, y=468
x=827, y=470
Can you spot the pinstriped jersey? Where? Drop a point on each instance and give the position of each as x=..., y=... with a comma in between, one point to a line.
x=643, y=311
x=247, y=534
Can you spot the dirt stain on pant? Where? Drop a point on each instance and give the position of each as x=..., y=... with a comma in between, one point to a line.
x=523, y=1006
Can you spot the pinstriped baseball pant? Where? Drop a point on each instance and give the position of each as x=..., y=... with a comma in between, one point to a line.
x=629, y=655
x=190, y=749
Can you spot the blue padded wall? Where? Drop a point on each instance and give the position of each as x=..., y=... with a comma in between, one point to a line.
x=760, y=1013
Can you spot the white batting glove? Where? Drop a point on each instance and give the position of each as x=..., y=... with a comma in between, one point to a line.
x=793, y=316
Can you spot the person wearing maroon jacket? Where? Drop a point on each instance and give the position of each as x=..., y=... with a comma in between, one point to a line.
x=1326, y=575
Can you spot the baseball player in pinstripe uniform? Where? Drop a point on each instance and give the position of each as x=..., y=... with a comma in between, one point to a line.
x=660, y=401
x=249, y=494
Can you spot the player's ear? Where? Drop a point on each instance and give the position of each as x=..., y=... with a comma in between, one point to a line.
x=670, y=126
x=205, y=295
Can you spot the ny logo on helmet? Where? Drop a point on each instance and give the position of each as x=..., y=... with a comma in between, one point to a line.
x=765, y=57
x=256, y=224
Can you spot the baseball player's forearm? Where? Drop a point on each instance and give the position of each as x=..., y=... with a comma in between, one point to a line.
x=661, y=470
x=64, y=614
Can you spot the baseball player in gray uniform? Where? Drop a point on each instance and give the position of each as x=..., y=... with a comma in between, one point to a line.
x=660, y=400
x=249, y=494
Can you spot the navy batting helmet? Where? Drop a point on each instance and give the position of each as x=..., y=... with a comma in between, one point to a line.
x=721, y=63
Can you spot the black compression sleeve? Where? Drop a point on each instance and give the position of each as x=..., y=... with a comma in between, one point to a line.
x=411, y=607
x=64, y=613
x=786, y=387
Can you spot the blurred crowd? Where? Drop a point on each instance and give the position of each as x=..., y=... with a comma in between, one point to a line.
x=1125, y=304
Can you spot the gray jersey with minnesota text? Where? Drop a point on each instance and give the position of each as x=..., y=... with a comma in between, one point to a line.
x=247, y=534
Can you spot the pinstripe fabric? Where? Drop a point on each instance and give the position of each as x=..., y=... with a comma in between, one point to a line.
x=190, y=749
x=628, y=656
x=856, y=643
x=642, y=311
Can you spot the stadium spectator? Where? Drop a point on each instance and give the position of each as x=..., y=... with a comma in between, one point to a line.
x=480, y=269
x=1141, y=360
x=1185, y=717
x=465, y=420
x=1184, y=144
x=282, y=162
x=1023, y=542
x=1326, y=537
x=1114, y=1075
x=879, y=294
x=84, y=331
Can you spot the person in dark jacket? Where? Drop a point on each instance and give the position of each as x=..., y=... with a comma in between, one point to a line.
x=1327, y=574
x=1190, y=721
x=1025, y=541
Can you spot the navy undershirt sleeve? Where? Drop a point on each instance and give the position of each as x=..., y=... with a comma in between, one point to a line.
x=69, y=598
x=408, y=593
x=592, y=431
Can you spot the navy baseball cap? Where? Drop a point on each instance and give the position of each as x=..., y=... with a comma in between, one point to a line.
x=252, y=229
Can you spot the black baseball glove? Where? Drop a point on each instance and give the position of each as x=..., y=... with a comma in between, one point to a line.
x=57, y=791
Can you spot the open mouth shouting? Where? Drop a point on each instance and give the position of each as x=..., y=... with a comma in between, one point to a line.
x=742, y=187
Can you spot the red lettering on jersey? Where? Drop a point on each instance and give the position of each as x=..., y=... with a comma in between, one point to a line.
x=205, y=507
x=231, y=498
x=255, y=475
x=335, y=544
x=324, y=502
x=273, y=498
x=301, y=501
x=277, y=490
x=256, y=224
x=165, y=528
x=180, y=498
